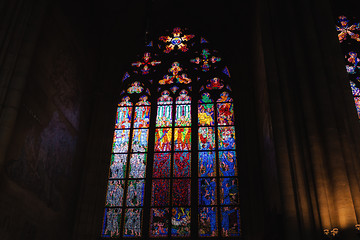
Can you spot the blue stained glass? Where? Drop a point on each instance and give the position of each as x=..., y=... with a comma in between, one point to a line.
x=208, y=222
x=230, y=221
x=226, y=137
x=207, y=191
x=180, y=219
x=137, y=165
x=135, y=193
x=159, y=222
x=111, y=224
x=206, y=138
x=227, y=163
x=115, y=193
x=121, y=141
x=133, y=218
x=207, y=164
x=118, y=166
x=229, y=192
x=140, y=140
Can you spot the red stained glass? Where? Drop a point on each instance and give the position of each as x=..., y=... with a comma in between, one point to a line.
x=181, y=192
x=160, y=192
x=161, y=165
x=225, y=113
x=182, y=164
x=182, y=139
x=163, y=139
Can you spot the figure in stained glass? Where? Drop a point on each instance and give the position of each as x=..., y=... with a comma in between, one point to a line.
x=115, y=193
x=135, y=193
x=163, y=139
x=205, y=98
x=182, y=164
x=132, y=226
x=123, y=117
x=226, y=136
x=355, y=90
x=176, y=76
x=125, y=102
x=121, y=141
x=142, y=117
x=206, y=138
x=140, y=140
x=354, y=60
x=180, y=221
x=229, y=191
x=183, y=115
x=137, y=165
x=118, y=166
x=207, y=164
x=111, y=225
x=207, y=222
x=225, y=114
x=227, y=163
x=182, y=139
x=207, y=191
x=135, y=88
x=344, y=29
x=206, y=115
x=159, y=222
x=205, y=60
x=215, y=83
x=160, y=192
x=181, y=192
x=176, y=40
x=183, y=98
x=224, y=97
x=146, y=63
x=230, y=221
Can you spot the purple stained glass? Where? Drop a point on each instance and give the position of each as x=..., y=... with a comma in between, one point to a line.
x=207, y=191
x=357, y=104
x=133, y=219
x=181, y=192
x=208, y=222
x=121, y=141
x=182, y=139
x=229, y=193
x=182, y=163
x=118, y=166
x=163, y=139
x=227, y=161
x=142, y=117
x=183, y=115
x=164, y=116
x=206, y=115
x=140, y=140
x=225, y=113
x=137, y=165
x=159, y=222
x=115, y=193
x=161, y=165
x=207, y=164
x=160, y=192
x=180, y=220
x=111, y=224
x=206, y=138
x=230, y=221
x=226, y=136
x=123, y=117
x=135, y=193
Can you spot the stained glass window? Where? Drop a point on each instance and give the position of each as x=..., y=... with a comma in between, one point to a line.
x=174, y=173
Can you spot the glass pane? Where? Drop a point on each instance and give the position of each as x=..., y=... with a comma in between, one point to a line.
x=115, y=193
x=225, y=113
x=159, y=222
x=163, y=139
x=229, y=193
x=123, y=117
x=180, y=220
x=182, y=139
x=118, y=166
x=161, y=165
x=142, y=117
x=182, y=163
x=207, y=164
x=206, y=115
x=183, y=115
x=230, y=221
x=183, y=98
x=208, y=222
x=181, y=192
x=137, y=165
x=133, y=218
x=135, y=193
x=111, y=224
x=224, y=97
x=206, y=138
x=164, y=116
x=357, y=104
x=121, y=141
x=227, y=161
x=207, y=191
x=140, y=140
x=160, y=192
x=226, y=137
x=205, y=98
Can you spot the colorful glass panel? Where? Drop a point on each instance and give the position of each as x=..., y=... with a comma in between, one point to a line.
x=226, y=137
x=206, y=138
x=206, y=115
x=183, y=98
x=121, y=141
x=225, y=113
x=159, y=219
x=135, y=193
x=115, y=193
x=227, y=163
x=355, y=90
x=182, y=164
x=224, y=97
x=215, y=83
x=135, y=88
x=125, y=102
x=205, y=98
x=208, y=222
x=160, y=192
x=230, y=221
x=133, y=219
x=180, y=220
x=163, y=139
x=137, y=165
x=229, y=192
x=181, y=192
x=357, y=104
x=118, y=166
x=207, y=191
x=164, y=116
x=183, y=115
x=111, y=224
x=123, y=117
x=161, y=165
x=207, y=164
x=140, y=140
x=182, y=139
x=142, y=117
